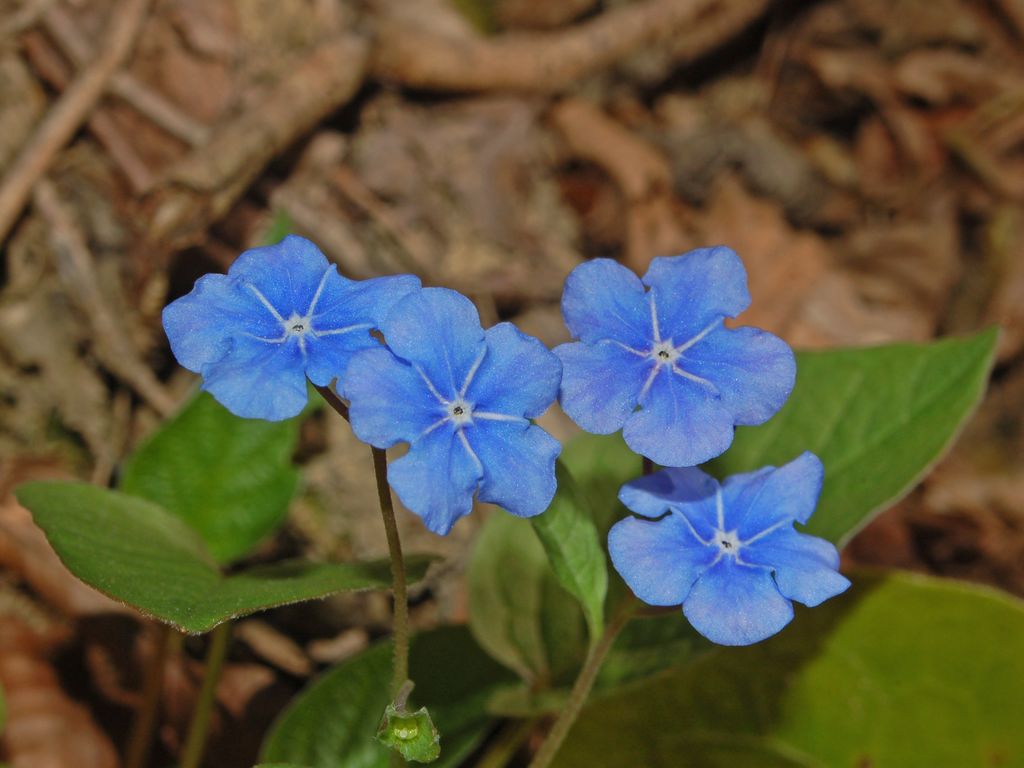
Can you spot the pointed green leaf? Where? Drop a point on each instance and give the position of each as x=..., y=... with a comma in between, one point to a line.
x=332, y=723
x=569, y=536
x=411, y=734
x=230, y=478
x=878, y=418
x=138, y=553
x=518, y=611
x=903, y=670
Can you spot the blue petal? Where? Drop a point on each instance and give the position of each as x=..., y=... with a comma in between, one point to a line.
x=600, y=384
x=696, y=289
x=660, y=560
x=605, y=300
x=438, y=330
x=436, y=479
x=805, y=566
x=519, y=465
x=518, y=375
x=753, y=371
x=345, y=314
x=733, y=604
x=388, y=400
x=258, y=380
x=200, y=324
x=686, y=489
x=775, y=497
x=287, y=274
x=681, y=423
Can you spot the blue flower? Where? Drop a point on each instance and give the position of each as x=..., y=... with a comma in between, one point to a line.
x=728, y=553
x=280, y=314
x=660, y=365
x=462, y=399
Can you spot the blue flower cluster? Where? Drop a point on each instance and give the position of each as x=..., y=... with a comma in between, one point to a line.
x=653, y=357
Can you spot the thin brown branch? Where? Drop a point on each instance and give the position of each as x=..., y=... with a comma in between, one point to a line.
x=49, y=64
x=205, y=184
x=73, y=43
x=68, y=114
x=540, y=61
x=78, y=271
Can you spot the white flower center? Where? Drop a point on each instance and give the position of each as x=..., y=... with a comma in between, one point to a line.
x=297, y=326
x=664, y=353
x=460, y=412
x=727, y=543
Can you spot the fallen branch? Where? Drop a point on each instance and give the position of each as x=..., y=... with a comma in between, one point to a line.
x=548, y=61
x=76, y=268
x=68, y=114
x=201, y=188
x=641, y=173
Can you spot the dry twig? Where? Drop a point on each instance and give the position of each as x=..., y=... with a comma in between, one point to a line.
x=529, y=61
x=642, y=174
x=79, y=273
x=68, y=113
x=52, y=68
x=205, y=184
x=150, y=103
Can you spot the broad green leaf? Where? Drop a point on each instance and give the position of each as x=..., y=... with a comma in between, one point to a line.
x=281, y=225
x=601, y=465
x=229, y=478
x=570, y=538
x=900, y=672
x=411, y=734
x=333, y=722
x=518, y=611
x=878, y=418
x=138, y=553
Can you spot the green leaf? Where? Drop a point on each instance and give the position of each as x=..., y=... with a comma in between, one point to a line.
x=601, y=465
x=281, y=225
x=878, y=418
x=903, y=670
x=411, y=734
x=332, y=723
x=570, y=538
x=518, y=611
x=229, y=478
x=140, y=554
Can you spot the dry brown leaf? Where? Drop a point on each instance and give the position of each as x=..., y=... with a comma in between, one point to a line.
x=785, y=266
x=45, y=728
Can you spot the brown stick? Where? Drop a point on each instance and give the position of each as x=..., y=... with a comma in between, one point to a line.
x=206, y=183
x=73, y=43
x=49, y=64
x=78, y=271
x=527, y=61
x=67, y=115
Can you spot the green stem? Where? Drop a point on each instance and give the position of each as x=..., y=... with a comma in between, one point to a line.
x=152, y=687
x=581, y=689
x=195, y=743
x=401, y=620
x=400, y=632
x=506, y=743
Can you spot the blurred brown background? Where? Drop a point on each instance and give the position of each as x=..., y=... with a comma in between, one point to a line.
x=864, y=157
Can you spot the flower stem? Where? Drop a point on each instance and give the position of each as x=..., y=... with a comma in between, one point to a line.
x=401, y=619
x=195, y=743
x=152, y=687
x=400, y=631
x=506, y=743
x=581, y=689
